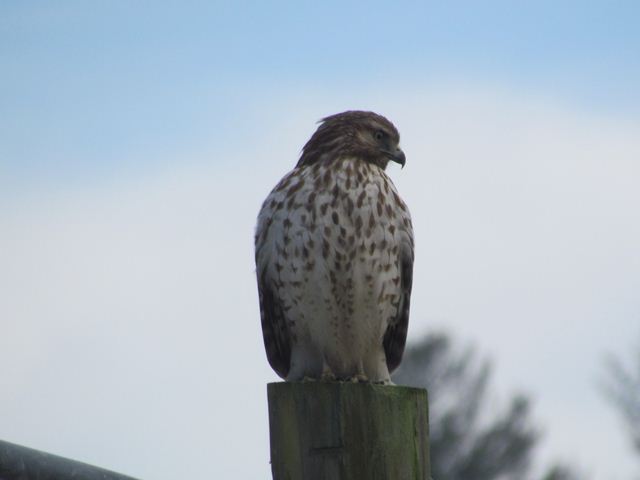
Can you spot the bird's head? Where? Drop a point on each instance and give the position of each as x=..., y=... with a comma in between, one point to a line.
x=364, y=135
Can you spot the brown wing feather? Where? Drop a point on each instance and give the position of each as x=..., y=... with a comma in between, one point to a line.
x=275, y=332
x=396, y=335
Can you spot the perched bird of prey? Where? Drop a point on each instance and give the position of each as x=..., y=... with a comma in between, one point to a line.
x=334, y=256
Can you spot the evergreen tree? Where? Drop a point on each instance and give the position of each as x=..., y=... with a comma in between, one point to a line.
x=468, y=442
x=623, y=388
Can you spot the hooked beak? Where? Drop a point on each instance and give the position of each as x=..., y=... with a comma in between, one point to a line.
x=397, y=156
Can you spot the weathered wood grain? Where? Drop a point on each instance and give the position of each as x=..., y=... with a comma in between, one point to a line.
x=348, y=431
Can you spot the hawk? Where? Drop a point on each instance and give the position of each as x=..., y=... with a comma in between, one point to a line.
x=334, y=256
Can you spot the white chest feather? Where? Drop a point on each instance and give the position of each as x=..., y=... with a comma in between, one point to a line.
x=329, y=239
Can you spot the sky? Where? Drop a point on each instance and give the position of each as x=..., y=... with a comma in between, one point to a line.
x=138, y=140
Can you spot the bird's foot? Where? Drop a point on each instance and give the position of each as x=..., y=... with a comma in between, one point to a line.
x=359, y=378
x=328, y=376
x=384, y=382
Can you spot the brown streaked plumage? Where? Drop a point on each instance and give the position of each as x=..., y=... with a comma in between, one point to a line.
x=334, y=300
x=350, y=134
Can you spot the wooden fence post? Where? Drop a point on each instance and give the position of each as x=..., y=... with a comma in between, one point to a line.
x=348, y=431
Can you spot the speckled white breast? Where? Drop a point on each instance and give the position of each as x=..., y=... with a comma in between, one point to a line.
x=330, y=244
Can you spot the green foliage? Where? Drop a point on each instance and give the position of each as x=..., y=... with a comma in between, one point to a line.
x=623, y=388
x=469, y=438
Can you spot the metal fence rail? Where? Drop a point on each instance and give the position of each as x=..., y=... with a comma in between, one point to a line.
x=22, y=463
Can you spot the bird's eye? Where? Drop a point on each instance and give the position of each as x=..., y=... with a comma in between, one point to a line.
x=379, y=135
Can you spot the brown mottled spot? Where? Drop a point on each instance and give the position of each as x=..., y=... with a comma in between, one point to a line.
x=392, y=229
x=326, y=178
x=351, y=240
x=379, y=208
x=358, y=224
x=305, y=252
x=360, y=199
x=280, y=205
x=311, y=243
x=362, y=247
x=349, y=206
x=286, y=240
x=383, y=244
x=272, y=203
x=386, y=187
x=309, y=266
x=332, y=277
x=387, y=267
x=294, y=188
x=323, y=208
x=407, y=222
x=286, y=223
x=353, y=254
x=395, y=249
x=303, y=218
x=390, y=211
x=335, y=217
x=338, y=256
x=311, y=200
x=343, y=232
x=290, y=202
x=325, y=248
x=348, y=183
x=368, y=277
x=396, y=280
x=284, y=183
x=279, y=267
x=296, y=252
x=372, y=248
x=327, y=231
x=347, y=267
x=337, y=265
x=296, y=284
x=372, y=221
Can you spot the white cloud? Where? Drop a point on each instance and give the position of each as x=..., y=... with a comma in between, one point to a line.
x=132, y=335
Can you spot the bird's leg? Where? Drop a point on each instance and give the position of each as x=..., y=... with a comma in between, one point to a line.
x=360, y=376
x=327, y=374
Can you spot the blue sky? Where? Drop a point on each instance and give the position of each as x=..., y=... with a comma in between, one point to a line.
x=100, y=88
x=138, y=139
